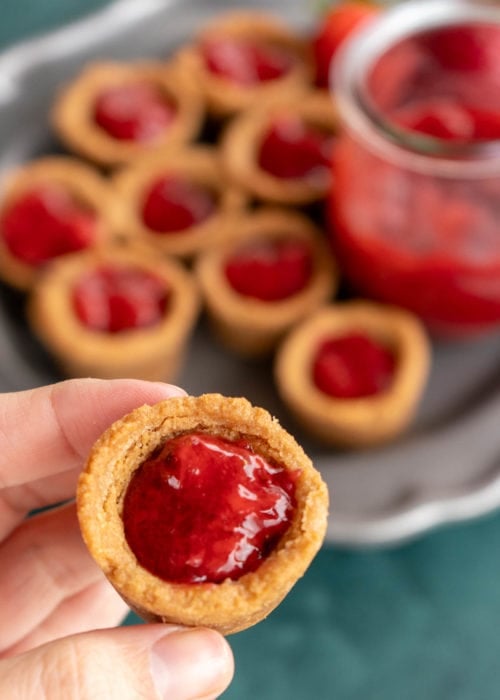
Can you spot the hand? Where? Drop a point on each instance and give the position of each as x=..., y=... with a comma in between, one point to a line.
x=50, y=586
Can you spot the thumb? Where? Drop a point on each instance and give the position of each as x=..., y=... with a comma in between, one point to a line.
x=127, y=663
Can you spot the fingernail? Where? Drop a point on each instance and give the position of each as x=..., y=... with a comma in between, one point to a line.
x=171, y=389
x=191, y=664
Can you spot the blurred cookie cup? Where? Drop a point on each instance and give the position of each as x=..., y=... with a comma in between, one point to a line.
x=280, y=151
x=113, y=113
x=180, y=202
x=244, y=57
x=49, y=208
x=115, y=312
x=353, y=374
x=276, y=271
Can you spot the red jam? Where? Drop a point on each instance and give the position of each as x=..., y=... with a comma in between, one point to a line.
x=465, y=49
x=352, y=366
x=244, y=62
x=47, y=222
x=112, y=299
x=204, y=509
x=174, y=204
x=270, y=270
x=134, y=112
x=293, y=150
x=418, y=238
x=449, y=120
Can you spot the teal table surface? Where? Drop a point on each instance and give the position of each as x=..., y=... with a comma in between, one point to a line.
x=416, y=622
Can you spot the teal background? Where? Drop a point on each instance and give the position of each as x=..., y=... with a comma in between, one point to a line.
x=417, y=622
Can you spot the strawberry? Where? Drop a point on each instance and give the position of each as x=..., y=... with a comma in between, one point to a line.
x=337, y=24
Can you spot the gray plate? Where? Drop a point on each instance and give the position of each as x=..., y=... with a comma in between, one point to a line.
x=446, y=468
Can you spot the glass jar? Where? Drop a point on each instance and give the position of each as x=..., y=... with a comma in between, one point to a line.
x=415, y=204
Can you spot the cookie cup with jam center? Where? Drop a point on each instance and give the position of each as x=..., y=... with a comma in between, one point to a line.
x=226, y=97
x=367, y=420
x=155, y=352
x=243, y=138
x=228, y=606
x=81, y=182
x=198, y=166
x=73, y=112
x=251, y=327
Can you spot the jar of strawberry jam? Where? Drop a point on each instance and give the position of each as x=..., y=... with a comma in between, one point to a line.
x=415, y=205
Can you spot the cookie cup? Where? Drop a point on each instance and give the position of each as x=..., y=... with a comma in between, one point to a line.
x=242, y=138
x=251, y=327
x=224, y=97
x=82, y=182
x=365, y=421
x=73, y=111
x=199, y=165
x=154, y=353
x=229, y=606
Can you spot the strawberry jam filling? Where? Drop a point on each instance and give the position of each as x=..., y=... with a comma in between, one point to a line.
x=47, y=222
x=244, y=62
x=134, y=112
x=203, y=509
x=445, y=118
x=352, y=366
x=293, y=150
x=175, y=204
x=426, y=238
x=270, y=270
x=112, y=299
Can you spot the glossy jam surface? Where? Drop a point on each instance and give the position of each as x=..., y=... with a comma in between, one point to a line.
x=418, y=238
x=173, y=204
x=294, y=150
x=112, y=299
x=352, y=366
x=134, y=112
x=47, y=222
x=244, y=62
x=204, y=509
x=270, y=269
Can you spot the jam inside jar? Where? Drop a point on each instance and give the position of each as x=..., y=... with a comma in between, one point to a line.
x=415, y=209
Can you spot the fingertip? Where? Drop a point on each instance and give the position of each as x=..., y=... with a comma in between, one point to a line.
x=87, y=407
x=127, y=662
x=121, y=395
x=171, y=390
x=191, y=663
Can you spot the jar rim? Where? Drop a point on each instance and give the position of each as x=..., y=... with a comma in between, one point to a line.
x=361, y=52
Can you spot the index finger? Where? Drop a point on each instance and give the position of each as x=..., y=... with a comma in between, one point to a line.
x=50, y=430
